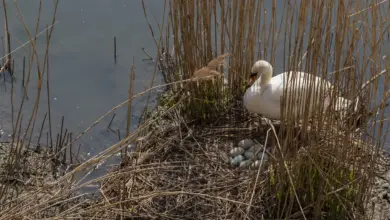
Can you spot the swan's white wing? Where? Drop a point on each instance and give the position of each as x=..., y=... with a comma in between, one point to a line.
x=269, y=97
x=274, y=90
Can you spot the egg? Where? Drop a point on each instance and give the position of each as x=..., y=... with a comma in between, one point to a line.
x=255, y=165
x=236, y=151
x=255, y=148
x=245, y=163
x=236, y=160
x=249, y=155
x=260, y=155
x=246, y=143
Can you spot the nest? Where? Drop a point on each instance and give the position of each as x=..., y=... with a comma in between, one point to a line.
x=181, y=171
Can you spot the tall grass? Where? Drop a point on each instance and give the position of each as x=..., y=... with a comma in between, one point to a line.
x=33, y=172
x=27, y=166
x=204, y=30
x=327, y=160
x=319, y=167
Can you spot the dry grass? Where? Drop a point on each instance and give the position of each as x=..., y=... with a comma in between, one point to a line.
x=183, y=172
x=321, y=167
x=27, y=168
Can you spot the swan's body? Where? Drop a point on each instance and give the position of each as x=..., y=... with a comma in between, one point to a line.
x=266, y=93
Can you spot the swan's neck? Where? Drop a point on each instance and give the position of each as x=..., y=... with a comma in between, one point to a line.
x=265, y=78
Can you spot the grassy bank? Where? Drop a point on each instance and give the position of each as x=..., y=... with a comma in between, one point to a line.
x=321, y=167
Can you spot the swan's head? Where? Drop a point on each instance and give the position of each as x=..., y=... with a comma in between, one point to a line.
x=261, y=67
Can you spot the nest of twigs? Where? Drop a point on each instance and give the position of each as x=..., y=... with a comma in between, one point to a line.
x=182, y=171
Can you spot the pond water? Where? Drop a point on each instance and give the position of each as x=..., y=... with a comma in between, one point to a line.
x=85, y=82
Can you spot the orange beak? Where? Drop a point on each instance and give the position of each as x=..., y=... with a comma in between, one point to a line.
x=252, y=79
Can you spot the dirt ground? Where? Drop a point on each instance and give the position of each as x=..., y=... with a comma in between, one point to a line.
x=378, y=206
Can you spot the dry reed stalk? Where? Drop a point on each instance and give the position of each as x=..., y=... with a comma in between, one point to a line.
x=3, y=68
x=206, y=38
x=30, y=208
x=131, y=93
x=308, y=44
x=47, y=91
x=16, y=160
x=35, y=109
x=13, y=160
x=341, y=148
x=7, y=40
x=129, y=108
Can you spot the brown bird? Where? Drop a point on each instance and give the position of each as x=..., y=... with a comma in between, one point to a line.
x=211, y=69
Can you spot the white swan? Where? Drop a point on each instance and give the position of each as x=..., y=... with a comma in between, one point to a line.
x=265, y=93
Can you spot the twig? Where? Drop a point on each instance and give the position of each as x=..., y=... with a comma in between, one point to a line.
x=147, y=54
x=7, y=39
x=62, y=127
x=40, y=33
x=48, y=97
x=109, y=125
x=258, y=171
x=115, y=50
x=363, y=10
x=117, y=147
x=70, y=148
x=119, y=134
x=129, y=104
x=129, y=108
x=287, y=170
x=24, y=69
x=124, y=102
x=374, y=78
x=40, y=132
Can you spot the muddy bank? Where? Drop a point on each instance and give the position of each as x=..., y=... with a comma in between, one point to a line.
x=23, y=169
x=378, y=206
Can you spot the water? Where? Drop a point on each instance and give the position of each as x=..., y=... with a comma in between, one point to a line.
x=84, y=81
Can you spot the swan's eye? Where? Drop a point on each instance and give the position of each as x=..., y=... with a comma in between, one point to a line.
x=253, y=75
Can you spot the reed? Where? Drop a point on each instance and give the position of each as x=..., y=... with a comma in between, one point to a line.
x=8, y=56
x=19, y=161
x=200, y=35
x=317, y=170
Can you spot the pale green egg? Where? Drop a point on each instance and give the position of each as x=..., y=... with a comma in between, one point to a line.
x=236, y=151
x=245, y=163
x=260, y=155
x=246, y=143
x=236, y=160
x=249, y=155
x=255, y=148
x=255, y=165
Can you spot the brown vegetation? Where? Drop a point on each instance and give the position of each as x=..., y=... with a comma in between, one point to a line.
x=320, y=167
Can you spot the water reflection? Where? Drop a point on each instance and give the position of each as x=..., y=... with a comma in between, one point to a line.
x=84, y=80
